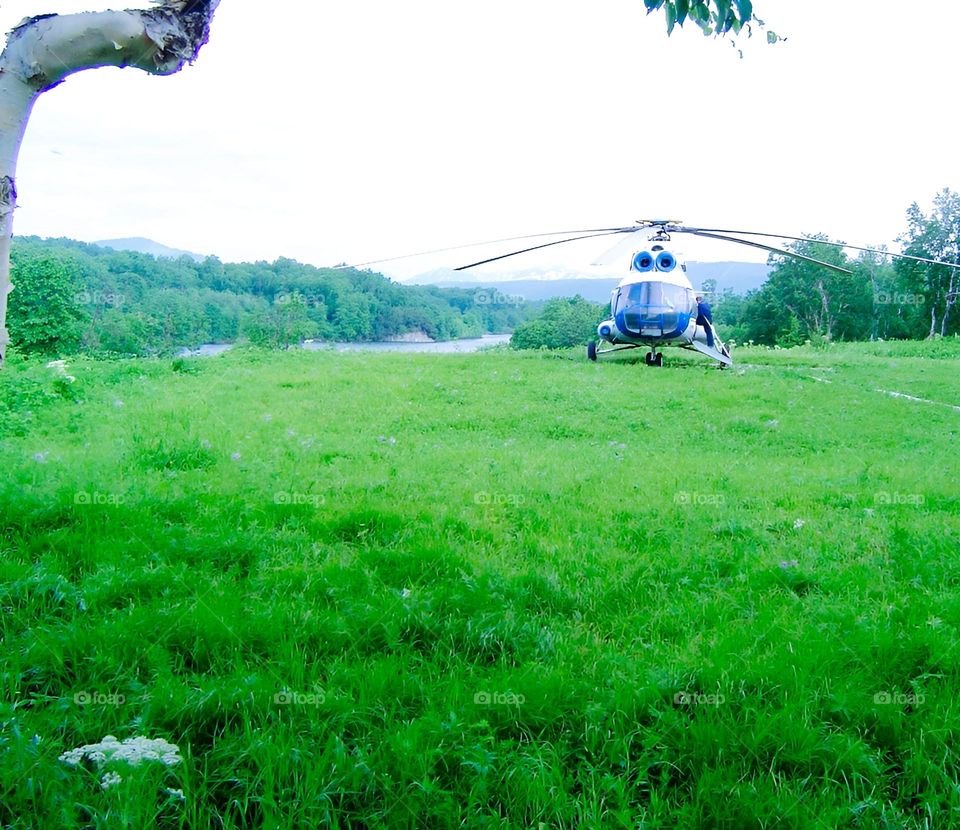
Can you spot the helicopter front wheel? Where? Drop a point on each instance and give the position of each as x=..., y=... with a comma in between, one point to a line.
x=652, y=359
x=591, y=350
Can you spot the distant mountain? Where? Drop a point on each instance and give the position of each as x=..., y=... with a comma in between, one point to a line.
x=543, y=284
x=739, y=277
x=141, y=245
x=447, y=276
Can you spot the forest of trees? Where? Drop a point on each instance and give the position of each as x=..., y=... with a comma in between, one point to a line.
x=902, y=299
x=71, y=297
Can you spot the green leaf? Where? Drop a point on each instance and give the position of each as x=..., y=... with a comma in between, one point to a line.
x=772, y=37
x=652, y=5
x=671, y=18
x=723, y=9
x=745, y=7
x=683, y=7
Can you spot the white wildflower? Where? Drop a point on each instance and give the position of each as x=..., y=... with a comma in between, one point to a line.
x=235, y=456
x=131, y=751
x=798, y=524
x=110, y=779
x=73, y=757
x=60, y=370
x=177, y=794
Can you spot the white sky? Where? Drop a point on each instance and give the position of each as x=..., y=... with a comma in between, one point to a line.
x=356, y=130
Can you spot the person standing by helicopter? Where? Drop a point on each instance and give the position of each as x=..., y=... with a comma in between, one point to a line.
x=705, y=319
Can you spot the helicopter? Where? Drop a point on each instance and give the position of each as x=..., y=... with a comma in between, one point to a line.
x=655, y=305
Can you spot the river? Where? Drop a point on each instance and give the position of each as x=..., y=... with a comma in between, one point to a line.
x=470, y=344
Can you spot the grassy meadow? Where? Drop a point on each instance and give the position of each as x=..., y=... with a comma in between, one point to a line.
x=500, y=590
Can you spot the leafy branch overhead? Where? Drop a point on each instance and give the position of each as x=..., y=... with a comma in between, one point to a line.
x=714, y=17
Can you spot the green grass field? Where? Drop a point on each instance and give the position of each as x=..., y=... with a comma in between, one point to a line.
x=484, y=591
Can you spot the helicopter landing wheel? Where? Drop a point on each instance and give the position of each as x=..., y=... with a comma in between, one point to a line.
x=591, y=350
x=652, y=359
x=726, y=353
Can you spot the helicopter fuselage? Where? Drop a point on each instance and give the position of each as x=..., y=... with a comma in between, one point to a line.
x=650, y=312
x=654, y=306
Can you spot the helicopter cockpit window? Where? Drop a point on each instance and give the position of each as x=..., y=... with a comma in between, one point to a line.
x=655, y=295
x=653, y=308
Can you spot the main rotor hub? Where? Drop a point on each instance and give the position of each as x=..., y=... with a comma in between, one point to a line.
x=659, y=227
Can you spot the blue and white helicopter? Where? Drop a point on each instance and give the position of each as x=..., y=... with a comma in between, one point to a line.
x=655, y=305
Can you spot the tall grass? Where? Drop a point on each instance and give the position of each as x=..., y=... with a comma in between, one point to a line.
x=495, y=590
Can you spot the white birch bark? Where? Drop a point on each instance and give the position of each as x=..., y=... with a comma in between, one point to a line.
x=42, y=51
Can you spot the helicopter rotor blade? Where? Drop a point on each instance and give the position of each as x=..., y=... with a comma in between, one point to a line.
x=618, y=250
x=471, y=245
x=780, y=251
x=834, y=244
x=606, y=232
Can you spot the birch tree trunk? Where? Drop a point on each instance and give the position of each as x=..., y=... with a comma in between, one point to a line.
x=950, y=300
x=42, y=51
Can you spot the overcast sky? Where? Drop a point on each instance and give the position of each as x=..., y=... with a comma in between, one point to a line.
x=351, y=131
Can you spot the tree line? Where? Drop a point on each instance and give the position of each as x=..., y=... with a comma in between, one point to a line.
x=883, y=297
x=73, y=297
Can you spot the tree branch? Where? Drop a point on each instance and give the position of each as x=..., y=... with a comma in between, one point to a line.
x=42, y=51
